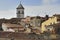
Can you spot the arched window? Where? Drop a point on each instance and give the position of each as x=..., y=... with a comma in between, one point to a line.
x=18, y=11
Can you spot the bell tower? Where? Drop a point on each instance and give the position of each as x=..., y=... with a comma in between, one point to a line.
x=20, y=11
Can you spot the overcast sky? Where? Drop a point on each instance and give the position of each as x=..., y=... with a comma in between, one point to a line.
x=32, y=7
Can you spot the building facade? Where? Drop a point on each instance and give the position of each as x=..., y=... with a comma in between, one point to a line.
x=51, y=21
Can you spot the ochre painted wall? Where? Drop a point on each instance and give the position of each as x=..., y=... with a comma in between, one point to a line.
x=52, y=20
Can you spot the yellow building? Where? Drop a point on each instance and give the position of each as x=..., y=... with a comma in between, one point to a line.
x=52, y=20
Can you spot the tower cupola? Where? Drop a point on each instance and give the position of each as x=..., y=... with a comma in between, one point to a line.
x=20, y=11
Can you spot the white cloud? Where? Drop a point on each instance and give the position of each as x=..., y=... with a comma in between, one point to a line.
x=54, y=0
x=41, y=10
x=32, y=11
x=47, y=2
x=7, y=13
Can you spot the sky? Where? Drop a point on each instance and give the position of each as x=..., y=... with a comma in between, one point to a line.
x=32, y=7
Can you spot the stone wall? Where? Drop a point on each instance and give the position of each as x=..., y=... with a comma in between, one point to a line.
x=18, y=36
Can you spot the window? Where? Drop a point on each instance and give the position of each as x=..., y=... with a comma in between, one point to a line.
x=53, y=22
x=58, y=19
x=45, y=26
x=18, y=11
x=50, y=23
x=22, y=12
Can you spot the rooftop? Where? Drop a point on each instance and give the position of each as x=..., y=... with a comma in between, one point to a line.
x=20, y=6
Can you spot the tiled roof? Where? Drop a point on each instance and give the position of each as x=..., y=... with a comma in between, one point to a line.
x=11, y=25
